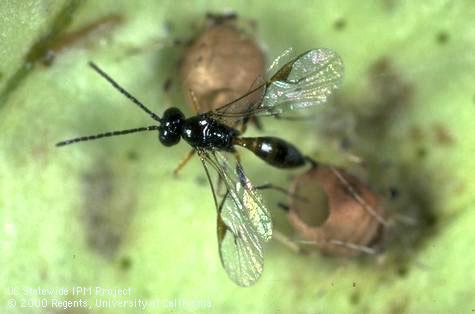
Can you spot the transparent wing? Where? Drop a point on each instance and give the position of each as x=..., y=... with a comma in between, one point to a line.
x=285, y=57
x=232, y=116
x=252, y=204
x=243, y=221
x=304, y=81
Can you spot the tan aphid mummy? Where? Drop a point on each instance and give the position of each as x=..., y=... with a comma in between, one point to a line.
x=352, y=219
x=220, y=65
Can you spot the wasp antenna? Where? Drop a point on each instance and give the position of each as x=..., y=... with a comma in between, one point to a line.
x=106, y=134
x=123, y=91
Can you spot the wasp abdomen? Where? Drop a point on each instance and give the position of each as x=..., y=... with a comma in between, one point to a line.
x=274, y=151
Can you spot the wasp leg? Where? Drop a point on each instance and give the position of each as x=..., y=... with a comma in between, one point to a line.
x=358, y=197
x=270, y=186
x=287, y=242
x=243, y=127
x=257, y=123
x=194, y=101
x=184, y=161
x=311, y=161
x=348, y=245
x=297, y=246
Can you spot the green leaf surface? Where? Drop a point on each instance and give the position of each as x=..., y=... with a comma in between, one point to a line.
x=111, y=214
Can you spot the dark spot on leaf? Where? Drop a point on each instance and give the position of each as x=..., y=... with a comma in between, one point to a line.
x=417, y=134
x=345, y=143
x=393, y=193
x=253, y=24
x=417, y=205
x=390, y=5
x=125, y=263
x=169, y=26
x=132, y=155
x=389, y=98
x=201, y=180
x=180, y=42
x=421, y=152
x=402, y=271
x=339, y=24
x=355, y=297
x=43, y=272
x=442, y=134
x=437, y=133
x=108, y=203
x=442, y=38
x=167, y=84
x=399, y=305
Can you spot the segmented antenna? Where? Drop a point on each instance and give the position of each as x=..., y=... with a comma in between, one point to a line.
x=119, y=132
x=124, y=92
x=107, y=134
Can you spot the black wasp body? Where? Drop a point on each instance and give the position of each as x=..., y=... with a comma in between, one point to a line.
x=204, y=132
x=244, y=223
x=199, y=131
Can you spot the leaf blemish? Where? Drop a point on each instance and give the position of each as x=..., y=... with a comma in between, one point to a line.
x=339, y=24
x=442, y=38
x=106, y=209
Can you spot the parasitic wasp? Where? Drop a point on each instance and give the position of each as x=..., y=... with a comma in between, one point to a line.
x=243, y=221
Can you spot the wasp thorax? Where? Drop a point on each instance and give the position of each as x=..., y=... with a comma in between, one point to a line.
x=171, y=126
